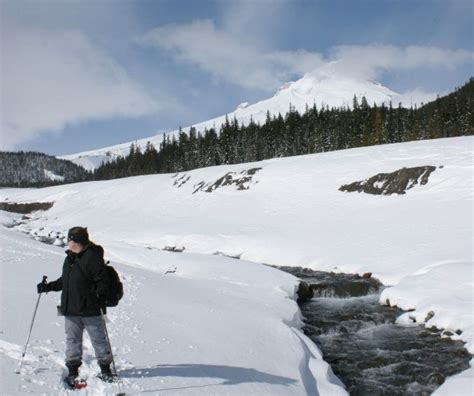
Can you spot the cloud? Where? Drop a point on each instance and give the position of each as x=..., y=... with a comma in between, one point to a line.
x=230, y=58
x=296, y=62
x=226, y=57
x=370, y=61
x=253, y=21
x=51, y=79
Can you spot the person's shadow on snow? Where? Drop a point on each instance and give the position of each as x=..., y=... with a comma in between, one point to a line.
x=230, y=375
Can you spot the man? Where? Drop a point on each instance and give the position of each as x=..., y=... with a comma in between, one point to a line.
x=84, y=289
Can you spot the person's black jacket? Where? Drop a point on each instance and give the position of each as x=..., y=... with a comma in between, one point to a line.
x=83, y=282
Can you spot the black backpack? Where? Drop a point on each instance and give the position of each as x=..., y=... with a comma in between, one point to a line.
x=114, y=286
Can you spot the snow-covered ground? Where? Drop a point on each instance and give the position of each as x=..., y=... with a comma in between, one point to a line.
x=216, y=320
x=210, y=325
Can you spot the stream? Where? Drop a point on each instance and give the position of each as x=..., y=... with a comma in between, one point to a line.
x=365, y=348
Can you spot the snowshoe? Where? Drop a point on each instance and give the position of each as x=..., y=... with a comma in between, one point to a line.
x=107, y=377
x=75, y=383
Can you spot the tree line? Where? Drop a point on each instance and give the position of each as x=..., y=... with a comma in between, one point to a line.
x=33, y=169
x=314, y=131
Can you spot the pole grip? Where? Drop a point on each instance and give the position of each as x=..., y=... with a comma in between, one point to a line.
x=44, y=279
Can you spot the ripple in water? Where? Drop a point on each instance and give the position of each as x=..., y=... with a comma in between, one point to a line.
x=365, y=348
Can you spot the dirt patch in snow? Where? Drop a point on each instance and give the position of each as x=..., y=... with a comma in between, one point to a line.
x=242, y=180
x=25, y=208
x=397, y=182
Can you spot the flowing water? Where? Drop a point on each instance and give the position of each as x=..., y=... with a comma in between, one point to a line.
x=365, y=348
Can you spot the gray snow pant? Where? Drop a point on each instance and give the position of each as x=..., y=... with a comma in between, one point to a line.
x=74, y=326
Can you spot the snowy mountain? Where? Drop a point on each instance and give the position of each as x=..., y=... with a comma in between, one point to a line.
x=200, y=323
x=320, y=88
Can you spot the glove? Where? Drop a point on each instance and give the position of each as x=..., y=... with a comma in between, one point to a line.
x=42, y=287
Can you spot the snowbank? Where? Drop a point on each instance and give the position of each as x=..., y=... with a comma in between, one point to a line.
x=7, y=219
x=440, y=296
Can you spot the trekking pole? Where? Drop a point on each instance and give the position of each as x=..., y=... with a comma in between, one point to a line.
x=18, y=371
x=111, y=354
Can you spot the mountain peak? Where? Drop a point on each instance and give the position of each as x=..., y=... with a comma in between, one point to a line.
x=327, y=86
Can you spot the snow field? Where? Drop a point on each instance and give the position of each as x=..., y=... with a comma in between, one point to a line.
x=420, y=243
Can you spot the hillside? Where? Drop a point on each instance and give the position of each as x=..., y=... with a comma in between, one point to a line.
x=31, y=169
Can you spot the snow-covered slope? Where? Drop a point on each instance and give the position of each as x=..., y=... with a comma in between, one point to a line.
x=420, y=243
x=211, y=325
x=322, y=88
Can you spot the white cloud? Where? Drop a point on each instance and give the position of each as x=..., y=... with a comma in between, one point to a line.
x=54, y=78
x=253, y=21
x=229, y=58
x=296, y=62
x=216, y=52
x=370, y=61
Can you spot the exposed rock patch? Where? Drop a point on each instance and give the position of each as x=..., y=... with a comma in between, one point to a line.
x=181, y=180
x=24, y=208
x=237, y=257
x=397, y=182
x=330, y=284
x=174, y=249
x=242, y=180
x=305, y=292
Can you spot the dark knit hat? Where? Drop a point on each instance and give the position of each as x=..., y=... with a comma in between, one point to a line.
x=78, y=235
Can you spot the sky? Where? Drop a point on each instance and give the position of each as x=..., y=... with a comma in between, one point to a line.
x=83, y=74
